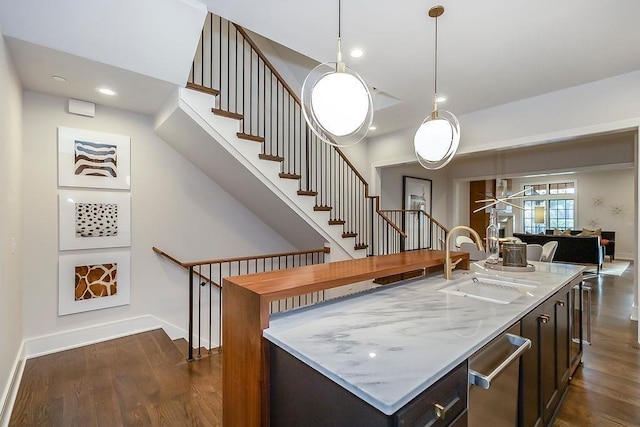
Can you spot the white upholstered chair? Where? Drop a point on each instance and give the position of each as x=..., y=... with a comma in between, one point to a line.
x=474, y=253
x=534, y=252
x=549, y=251
x=462, y=239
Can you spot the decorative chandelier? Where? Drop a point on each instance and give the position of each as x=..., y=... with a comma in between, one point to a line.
x=336, y=102
x=436, y=140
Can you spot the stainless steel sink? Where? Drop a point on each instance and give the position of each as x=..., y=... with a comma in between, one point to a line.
x=488, y=288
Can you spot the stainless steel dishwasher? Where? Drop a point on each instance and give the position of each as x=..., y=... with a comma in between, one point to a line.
x=493, y=380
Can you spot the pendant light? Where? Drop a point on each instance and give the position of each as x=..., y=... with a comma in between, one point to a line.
x=336, y=102
x=436, y=140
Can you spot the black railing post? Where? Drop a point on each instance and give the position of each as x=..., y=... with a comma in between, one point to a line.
x=190, y=357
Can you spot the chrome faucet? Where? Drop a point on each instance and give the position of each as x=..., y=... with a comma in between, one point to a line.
x=448, y=265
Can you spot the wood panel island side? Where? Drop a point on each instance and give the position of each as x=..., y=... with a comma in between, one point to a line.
x=245, y=314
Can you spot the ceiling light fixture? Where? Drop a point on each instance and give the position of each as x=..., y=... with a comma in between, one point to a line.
x=357, y=53
x=59, y=79
x=372, y=127
x=106, y=91
x=336, y=102
x=436, y=140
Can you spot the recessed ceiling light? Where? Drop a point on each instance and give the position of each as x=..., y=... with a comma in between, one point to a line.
x=356, y=53
x=59, y=79
x=372, y=128
x=106, y=91
x=441, y=98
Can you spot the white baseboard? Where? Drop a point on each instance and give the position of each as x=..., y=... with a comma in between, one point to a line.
x=53, y=343
x=11, y=389
x=47, y=344
x=622, y=256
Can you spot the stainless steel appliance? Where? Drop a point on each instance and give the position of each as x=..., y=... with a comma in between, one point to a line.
x=580, y=322
x=493, y=380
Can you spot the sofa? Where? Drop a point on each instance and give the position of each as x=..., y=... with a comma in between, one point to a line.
x=608, y=240
x=571, y=248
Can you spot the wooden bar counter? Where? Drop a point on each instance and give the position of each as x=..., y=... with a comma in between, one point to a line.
x=245, y=314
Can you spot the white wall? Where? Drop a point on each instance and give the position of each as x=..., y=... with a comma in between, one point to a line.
x=174, y=207
x=10, y=221
x=601, y=106
x=391, y=188
x=615, y=189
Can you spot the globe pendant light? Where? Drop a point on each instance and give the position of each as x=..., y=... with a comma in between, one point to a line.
x=436, y=140
x=336, y=102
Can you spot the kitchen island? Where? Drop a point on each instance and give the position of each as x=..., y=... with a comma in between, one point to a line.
x=389, y=345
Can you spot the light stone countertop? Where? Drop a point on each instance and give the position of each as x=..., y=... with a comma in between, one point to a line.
x=389, y=344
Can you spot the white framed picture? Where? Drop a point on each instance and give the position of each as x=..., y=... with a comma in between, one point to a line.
x=93, y=281
x=94, y=219
x=93, y=159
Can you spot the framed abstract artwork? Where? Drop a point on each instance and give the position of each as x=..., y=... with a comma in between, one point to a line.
x=416, y=194
x=93, y=281
x=94, y=219
x=93, y=159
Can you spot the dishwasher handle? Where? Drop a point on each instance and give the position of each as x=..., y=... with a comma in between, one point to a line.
x=484, y=380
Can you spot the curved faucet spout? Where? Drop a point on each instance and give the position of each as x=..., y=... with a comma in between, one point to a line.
x=448, y=265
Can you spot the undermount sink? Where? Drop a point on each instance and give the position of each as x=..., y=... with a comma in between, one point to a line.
x=493, y=289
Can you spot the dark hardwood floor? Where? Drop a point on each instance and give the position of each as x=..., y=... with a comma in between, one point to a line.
x=144, y=380
x=605, y=390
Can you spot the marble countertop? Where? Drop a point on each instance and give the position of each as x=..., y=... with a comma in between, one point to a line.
x=388, y=345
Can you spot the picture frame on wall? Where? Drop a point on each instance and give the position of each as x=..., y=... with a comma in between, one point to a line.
x=416, y=193
x=93, y=281
x=93, y=159
x=94, y=219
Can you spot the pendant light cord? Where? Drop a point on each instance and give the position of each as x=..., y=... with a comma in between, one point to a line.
x=339, y=16
x=435, y=71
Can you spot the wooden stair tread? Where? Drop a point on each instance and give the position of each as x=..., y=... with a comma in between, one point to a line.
x=249, y=137
x=270, y=157
x=289, y=175
x=360, y=246
x=205, y=89
x=349, y=234
x=322, y=208
x=229, y=114
x=307, y=193
x=337, y=222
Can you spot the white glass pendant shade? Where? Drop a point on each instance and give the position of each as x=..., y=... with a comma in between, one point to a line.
x=340, y=103
x=337, y=105
x=436, y=140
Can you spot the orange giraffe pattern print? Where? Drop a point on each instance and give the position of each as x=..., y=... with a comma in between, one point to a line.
x=96, y=281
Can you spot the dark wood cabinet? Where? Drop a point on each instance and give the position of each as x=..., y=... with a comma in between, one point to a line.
x=545, y=369
x=301, y=396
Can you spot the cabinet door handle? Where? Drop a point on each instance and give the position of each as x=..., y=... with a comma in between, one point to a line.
x=560, y=303
x=441, y=411
x=543, y=318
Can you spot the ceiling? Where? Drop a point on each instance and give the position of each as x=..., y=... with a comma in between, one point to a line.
x=490, y=53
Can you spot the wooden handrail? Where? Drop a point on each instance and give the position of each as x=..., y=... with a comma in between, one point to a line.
x=419, y=210
x=325, y=250
x=294, y=96
x=380, y=212
x=183, y=265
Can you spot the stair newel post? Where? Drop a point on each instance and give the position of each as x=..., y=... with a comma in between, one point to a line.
x=200, y=311
x=191, y=272
x=371, y=228
x=210, y=310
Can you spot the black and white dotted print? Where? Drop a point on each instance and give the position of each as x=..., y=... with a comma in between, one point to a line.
x=96, y=219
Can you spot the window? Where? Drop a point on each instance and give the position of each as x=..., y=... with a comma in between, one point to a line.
x=549, y=206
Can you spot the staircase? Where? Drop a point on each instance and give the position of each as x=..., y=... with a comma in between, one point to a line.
x=242, y=125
